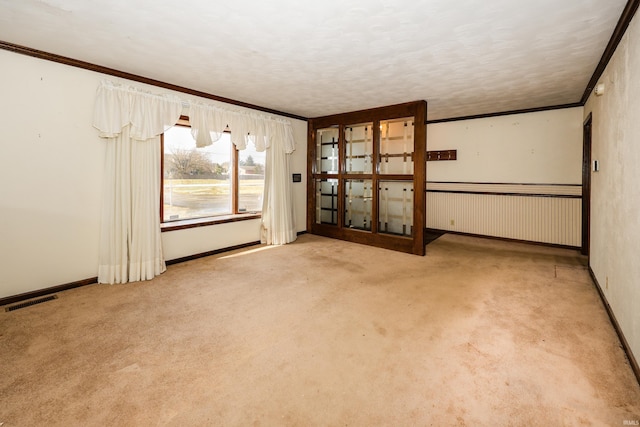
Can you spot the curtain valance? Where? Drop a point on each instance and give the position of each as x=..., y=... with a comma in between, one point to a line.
x=208, y=122
x=150, y=115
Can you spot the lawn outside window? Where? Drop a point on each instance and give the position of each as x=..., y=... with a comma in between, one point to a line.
x=211, y=184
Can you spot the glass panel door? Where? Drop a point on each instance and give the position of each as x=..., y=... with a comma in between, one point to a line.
x=358, y=148
x=396, y=146
x=395, y=207
x=327, y=201
x=358, y=197
x=327, y=150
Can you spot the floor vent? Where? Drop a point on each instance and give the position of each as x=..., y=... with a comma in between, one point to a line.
x=30, y=303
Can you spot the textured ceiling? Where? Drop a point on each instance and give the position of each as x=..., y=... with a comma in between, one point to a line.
x=464, y=57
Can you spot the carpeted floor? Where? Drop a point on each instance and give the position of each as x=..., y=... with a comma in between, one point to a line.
x=326, y=333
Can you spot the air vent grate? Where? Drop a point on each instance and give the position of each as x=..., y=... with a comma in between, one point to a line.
x=30, y=303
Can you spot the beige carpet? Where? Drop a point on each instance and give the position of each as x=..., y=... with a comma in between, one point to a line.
x=326, y=333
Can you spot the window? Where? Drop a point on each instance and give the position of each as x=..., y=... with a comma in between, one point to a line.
x=209, y=181
x=250, y=179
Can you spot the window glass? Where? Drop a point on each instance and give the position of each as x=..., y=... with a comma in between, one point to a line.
x=196, y=181
x=251, y=164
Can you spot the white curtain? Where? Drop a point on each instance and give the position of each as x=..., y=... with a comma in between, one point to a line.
x=131, y=122
x=277, y=226
x=278, y=221
x=208, y=122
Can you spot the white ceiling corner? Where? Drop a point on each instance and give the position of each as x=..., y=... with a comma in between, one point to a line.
x=316, y=58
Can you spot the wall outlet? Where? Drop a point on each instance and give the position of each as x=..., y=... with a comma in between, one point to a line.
x=453, y=222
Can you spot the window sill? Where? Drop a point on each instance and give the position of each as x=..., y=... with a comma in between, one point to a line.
x=203, y=222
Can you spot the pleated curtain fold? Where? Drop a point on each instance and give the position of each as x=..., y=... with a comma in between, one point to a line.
x=278, y=225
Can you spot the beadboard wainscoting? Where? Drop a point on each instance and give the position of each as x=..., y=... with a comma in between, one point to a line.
x=545, y=213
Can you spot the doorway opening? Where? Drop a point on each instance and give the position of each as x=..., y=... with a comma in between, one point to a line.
x=586, y=184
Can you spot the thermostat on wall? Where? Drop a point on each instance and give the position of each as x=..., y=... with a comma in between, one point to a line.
x=297, y=177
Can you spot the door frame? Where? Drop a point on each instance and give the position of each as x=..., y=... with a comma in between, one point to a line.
x=586, y=183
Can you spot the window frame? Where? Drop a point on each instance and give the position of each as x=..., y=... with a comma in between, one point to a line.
x=181, y=224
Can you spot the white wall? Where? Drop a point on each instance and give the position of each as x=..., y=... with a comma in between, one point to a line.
x=51, y=174
x=544, y=147
x=615, y=193
x=494, y=156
